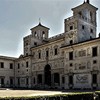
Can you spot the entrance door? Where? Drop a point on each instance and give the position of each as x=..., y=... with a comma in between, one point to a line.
x=39, y=80
x=70, y=81
x=94, y=80
x=57, y=78
x=47, y=75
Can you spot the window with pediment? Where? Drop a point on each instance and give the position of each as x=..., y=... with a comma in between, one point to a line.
x=47, y=52
x=35, y=34
x=94, y=51
x=56, y=50
x=39, y=54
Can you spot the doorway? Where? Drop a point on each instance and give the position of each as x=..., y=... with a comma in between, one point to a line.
x=47, y=75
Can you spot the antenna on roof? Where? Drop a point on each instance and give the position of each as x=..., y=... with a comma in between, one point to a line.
x=40, y=21
x=84, y=1
x=88, y=1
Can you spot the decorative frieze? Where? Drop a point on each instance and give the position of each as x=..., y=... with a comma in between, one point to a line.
x=82, y=53
x=81, y=78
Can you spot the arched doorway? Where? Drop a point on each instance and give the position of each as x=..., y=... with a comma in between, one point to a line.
x=47, y=75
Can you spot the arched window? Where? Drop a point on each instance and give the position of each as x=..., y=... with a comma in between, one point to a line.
x=35, y=34
x=91, y=15
x=33, y=54
x=71, y=41
x=56, y=50
x=43, y=34
x=39, y=54
x=47, y=52
x=80, y=13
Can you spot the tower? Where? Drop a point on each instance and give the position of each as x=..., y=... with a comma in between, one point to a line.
x=83, y=22
x=39, y=35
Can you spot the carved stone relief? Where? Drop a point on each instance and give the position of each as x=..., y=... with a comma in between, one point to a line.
x=62, y=53
x=82, y=53
x=67, y=56
x=88, y=65
x=76, y=54
x=66, y=67
x=88, y=51
x=81, y=78
x=70, y=70
x=95, y=68
x=22, y=80
x=82, y=66
x=42, y=53
x=76, y=66
x=36, y=56
x=33, y=54
x=55, y=65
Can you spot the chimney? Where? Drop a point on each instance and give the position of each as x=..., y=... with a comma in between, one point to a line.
x=84, y=2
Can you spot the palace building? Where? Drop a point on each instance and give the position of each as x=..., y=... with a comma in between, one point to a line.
x=70, y=60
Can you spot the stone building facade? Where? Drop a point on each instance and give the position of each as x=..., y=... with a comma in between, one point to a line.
x=69, y=60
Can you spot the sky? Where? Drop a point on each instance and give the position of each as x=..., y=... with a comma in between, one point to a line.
x=17, y=17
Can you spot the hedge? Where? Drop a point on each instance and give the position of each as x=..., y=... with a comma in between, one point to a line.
x=71, y=96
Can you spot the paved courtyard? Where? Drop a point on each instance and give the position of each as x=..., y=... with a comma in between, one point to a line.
x=19, y=93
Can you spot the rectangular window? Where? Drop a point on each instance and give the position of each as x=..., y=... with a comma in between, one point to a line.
x=94, y=78
x=26, y=54
x=11, y=65
x=39, y=55
x=18, y=65
x=11, y=81
x=70, y=55
x=47, y=53
x=71, y=41
x=2, y=81
x=34, y=80
x=18, y=81
x=94, y=61
x=27, y=81
x=2, y=65
x=27, y=64
x=80, y=13
x=39, y=78
x=63, y=80
x=91, y=30
x=71, y=64
x=83, y=27
x=26, y=43
x=70, y=79
x=56, y=51
x=35, y=43
x=94, y=51
x=71, y=27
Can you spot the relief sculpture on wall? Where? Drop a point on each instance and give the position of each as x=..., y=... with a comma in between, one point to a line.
x=81, y=78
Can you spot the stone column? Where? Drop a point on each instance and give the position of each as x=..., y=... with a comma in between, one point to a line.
x=60, y=79
x=66, y=82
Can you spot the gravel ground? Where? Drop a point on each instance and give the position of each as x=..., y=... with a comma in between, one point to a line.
x=19, y=93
